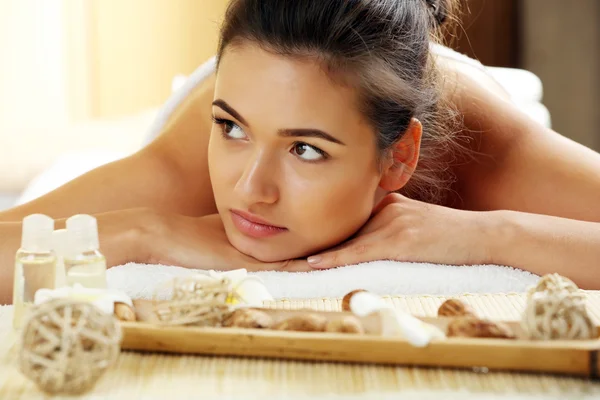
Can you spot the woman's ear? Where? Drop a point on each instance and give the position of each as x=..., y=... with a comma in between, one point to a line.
x=402, y=158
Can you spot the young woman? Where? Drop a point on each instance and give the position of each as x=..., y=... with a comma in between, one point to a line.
x=334, y=123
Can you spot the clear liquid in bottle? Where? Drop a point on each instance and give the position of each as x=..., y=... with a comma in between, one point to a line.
x=60, y=243
x=35, y=264
x=88, y=270
x=84, y=264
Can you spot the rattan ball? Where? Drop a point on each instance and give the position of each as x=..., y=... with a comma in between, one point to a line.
x=553, y=283
x=556, y=310
x=67, y=345
x=557, y=317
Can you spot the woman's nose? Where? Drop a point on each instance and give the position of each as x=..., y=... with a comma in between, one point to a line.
x=258, y=182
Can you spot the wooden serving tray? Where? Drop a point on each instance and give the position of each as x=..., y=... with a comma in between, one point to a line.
x=574, y=357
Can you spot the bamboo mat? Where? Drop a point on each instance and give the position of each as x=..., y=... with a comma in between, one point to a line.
x=160, y=376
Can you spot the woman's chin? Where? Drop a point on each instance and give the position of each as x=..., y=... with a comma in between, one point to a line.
x=274, y=256
x=269, y=253
x=278, y=248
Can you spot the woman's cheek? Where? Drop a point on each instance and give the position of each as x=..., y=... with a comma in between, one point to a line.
x=215, y=155
x=223, y=166
x=337, y=214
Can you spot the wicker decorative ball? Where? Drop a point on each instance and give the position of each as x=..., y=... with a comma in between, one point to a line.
x=553, y=283
x=556, y=310
x=67, y=345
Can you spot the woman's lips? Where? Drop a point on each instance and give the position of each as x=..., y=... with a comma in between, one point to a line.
x=253, y=226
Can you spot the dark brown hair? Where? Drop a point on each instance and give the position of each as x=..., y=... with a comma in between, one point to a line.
x=381, y=47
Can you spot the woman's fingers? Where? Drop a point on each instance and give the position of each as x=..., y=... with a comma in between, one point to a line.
x=359, y=250
x=296, y=266
x=255, y=265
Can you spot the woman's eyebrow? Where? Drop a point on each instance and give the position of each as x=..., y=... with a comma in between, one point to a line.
x=300, y=132
x=227, y=108
x=314, y=133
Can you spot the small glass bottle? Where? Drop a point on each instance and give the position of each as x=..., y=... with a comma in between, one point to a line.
x=84, y=264
x=60, y=245
x=35, y=264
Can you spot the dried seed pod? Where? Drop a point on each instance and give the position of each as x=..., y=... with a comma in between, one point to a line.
x=470, y=326
x=124, y=312
x=347, y=297
x=455, y=308
x=249, y=318
x=305, y=322
x=345, y=324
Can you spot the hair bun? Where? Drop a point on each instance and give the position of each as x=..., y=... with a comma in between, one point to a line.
x=440, y=9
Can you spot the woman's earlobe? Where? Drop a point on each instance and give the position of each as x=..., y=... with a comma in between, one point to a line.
x=395, y=177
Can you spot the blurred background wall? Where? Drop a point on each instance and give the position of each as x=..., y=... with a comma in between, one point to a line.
x=136, y=47
x=558, y=40
x=80, y=59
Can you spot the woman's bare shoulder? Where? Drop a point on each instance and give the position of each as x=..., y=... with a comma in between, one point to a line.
x=183, y=144
x=517, y=163
x=457, y=75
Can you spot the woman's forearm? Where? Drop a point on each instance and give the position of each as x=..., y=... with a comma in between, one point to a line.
x=10, y=240
x=544, y=244
x=122, y=239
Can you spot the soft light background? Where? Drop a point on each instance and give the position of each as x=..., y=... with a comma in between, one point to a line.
x=84, y=78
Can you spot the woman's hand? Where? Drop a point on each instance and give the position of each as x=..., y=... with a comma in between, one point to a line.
x=402, y=229
x=201, y=243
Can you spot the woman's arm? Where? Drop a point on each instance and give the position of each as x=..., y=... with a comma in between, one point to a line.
x=10, y=239
x=521, y=165
x=408, y=230
x=543, y=244
x=170, y=174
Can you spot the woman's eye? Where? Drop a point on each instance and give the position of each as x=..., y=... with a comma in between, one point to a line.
x=308, y=152
x=230, y=129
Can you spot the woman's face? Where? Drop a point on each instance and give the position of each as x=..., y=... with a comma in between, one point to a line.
x=292, y=161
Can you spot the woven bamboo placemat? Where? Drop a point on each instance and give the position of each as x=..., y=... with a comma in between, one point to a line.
x=160, y=376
